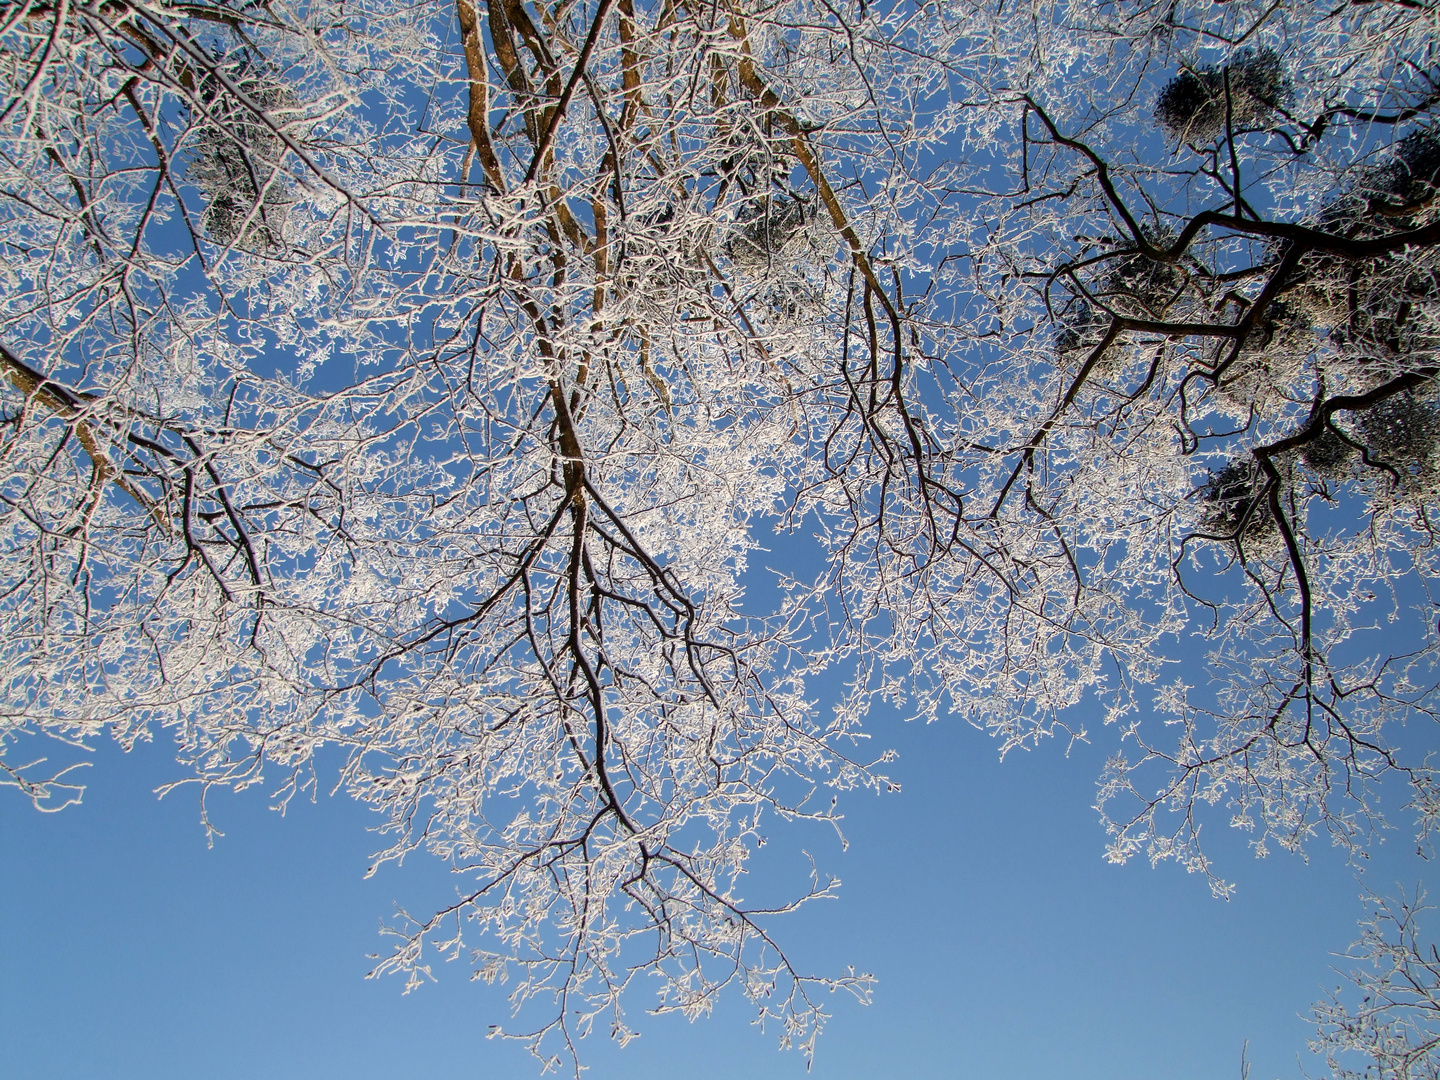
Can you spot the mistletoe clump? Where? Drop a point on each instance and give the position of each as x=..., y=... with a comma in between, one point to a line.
x=1403, y=430
x=1233, y=498
x=235, y=159
x=1192, y=106
x=1411, y=176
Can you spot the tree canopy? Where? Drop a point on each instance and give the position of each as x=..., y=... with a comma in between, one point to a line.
x=413, y=383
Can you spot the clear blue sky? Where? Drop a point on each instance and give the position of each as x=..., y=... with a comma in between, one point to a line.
x=1005, y=946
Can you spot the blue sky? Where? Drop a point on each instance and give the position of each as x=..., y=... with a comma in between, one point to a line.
x=1004, y=945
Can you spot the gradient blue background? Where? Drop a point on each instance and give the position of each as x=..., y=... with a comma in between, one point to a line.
x=1005, y=946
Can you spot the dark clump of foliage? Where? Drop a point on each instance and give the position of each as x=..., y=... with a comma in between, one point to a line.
x=1234, y=501
x=1411, y=176
x=1079, y=327
x=1388, y=193
x=1328, y=453
x=234, y=157
x=1192, y=105
x=1144, y=285
x=767, y=226
x=1126, y=282
x=1402, y=430
x=1375, y=309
